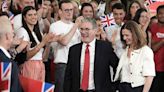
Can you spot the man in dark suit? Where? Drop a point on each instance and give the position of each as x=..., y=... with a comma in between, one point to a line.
x=94, y=76
x=6, y=39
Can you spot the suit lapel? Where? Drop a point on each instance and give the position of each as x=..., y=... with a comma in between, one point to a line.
x=97, y=56
x=78, y=60
x=97, y=52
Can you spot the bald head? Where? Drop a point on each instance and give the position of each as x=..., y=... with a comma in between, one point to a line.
x=5, y=25
x=6, y=33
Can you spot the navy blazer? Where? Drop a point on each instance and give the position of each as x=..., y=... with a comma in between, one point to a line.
x=104, y=57
x=15, y=84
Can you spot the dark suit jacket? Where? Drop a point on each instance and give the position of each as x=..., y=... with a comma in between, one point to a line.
x=104, y=57
x=15, y=85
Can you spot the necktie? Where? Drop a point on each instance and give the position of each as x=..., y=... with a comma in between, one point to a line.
x=85, y=77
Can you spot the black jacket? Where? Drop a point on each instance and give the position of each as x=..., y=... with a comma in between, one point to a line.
x=104, y=57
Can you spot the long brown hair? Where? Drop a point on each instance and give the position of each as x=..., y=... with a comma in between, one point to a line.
x=137, y=34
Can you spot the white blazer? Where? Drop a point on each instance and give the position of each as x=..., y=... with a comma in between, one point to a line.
x=134, y=69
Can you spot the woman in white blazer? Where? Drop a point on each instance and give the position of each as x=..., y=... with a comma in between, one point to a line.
x=136, y=68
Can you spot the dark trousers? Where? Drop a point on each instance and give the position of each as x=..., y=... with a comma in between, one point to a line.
x=126, y=87
x=48, y=73
x=158, y=83
x=59, y=77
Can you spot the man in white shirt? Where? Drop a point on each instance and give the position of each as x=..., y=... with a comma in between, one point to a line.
x=88, y=62
x=69, y=36
x=113, y=31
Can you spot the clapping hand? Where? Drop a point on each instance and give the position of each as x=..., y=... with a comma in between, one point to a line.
x=16, y=41
x=50, y=37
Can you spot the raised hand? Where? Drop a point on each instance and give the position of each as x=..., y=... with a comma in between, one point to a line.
x=79, y=19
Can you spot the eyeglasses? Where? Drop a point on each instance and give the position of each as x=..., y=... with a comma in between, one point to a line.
x=84, y=29
x=68, y=10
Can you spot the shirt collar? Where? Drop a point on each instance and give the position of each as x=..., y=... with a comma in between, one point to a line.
x=134, y=51
x=91, y=44
x=120, y=25
x=5, y=52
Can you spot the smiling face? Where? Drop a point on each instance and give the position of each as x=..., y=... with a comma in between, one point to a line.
x=127, y=36
x=31, y=17
x=143, y=18
x=118, y=15
x=67, y=11
x=87, y=12
x=87, y=32
x=160, y=15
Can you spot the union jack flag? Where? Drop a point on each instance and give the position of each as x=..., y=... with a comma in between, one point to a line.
x=149, y=2
x=30, y=85
x=5, y=73
x=47, y=87
x=107, y=20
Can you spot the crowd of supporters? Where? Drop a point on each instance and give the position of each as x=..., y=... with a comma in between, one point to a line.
x=45, y=30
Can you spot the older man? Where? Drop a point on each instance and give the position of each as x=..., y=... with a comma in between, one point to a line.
x=6, y=39
x=88, y=62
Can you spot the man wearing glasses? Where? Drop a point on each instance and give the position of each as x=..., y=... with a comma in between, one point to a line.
x=88, y=62
x=69, y=36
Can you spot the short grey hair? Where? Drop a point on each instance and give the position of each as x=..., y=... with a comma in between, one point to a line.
x=92, y=21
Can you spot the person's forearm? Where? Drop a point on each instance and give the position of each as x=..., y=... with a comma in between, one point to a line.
x=156, y=44
x=31, y=53
x=148, y=82
x=22, y=46
x=64, y=40
x=46, y=53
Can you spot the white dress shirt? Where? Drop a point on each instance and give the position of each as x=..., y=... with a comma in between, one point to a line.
x=91, y=68
x=134, y=69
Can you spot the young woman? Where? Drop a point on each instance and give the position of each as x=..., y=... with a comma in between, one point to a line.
x=134, y=6
x=87, y=10
x=143, y=19
x=34, y=43
x=136, y=68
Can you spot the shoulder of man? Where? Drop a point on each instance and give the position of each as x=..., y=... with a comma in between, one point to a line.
x=105, y=43
x=76, y=46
